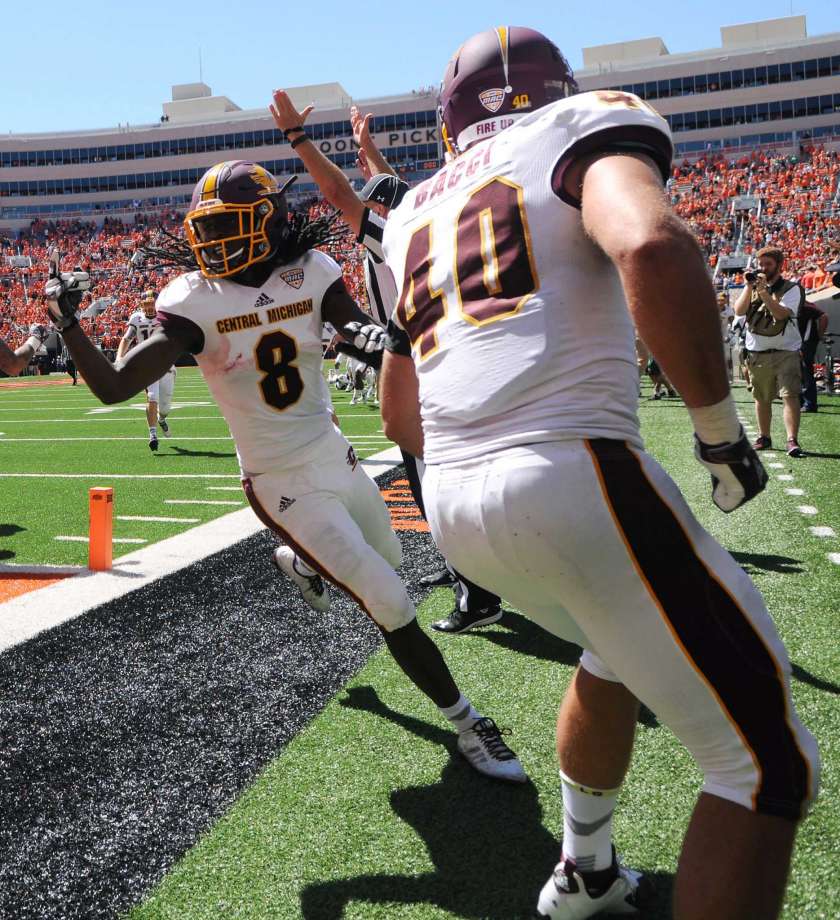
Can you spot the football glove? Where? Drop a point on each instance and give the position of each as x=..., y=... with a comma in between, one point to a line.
x=371, y=359
x=39, y=332
x=64, y=292
x=368, y=338
x=737, y=473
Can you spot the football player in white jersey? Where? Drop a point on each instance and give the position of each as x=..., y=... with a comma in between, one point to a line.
x=523, y=254
x=13, y=361
x=252, y=312
x=142, y=324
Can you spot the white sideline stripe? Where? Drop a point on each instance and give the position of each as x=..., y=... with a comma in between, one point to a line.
x=157, y=520
x=113, y=540
x=197, y=501
x=224, y=488
x=119, y=475
x=795, y=491
x=785, y=477
x=806, y=509
x=776, y=466
x=822, y=531
x=22, y=570
x=834, y=557
x=25, y=616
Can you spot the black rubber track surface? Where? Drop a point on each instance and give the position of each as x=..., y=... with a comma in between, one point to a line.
x=127, y=732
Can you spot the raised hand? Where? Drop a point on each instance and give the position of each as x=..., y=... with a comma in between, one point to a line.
x=285, y=115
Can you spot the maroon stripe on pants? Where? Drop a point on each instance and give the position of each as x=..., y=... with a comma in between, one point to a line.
x=714, y=631
x=302, y=553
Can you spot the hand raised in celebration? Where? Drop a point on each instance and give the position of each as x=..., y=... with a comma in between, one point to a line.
x=361, y=126
x=285, y=115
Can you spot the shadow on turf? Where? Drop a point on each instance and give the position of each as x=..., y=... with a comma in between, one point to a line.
x=806, y=677
x=770, y=563
x=175, y=451
x=818, y=456
x=486, y=839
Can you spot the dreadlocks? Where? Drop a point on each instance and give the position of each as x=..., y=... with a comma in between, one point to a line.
x=298, y=236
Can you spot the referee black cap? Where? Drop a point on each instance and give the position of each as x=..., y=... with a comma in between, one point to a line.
x=384, y=189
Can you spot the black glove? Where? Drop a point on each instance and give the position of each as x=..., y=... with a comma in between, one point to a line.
x=737, y=473
x=366, y=343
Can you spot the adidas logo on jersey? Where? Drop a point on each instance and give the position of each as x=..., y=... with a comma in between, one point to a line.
x=264, y=300
x=285, y=503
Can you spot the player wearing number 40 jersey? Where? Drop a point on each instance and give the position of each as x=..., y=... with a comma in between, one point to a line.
x=523, y=255
x=252, y=312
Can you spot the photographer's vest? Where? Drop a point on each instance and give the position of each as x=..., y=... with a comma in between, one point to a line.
x=760, y=321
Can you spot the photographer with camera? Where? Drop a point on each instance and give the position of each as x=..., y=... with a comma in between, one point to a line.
x=771, y=305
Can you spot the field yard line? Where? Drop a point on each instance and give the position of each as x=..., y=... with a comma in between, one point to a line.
x=806, y=509
x=21, y=569
x=124, y=438
x=25, y=616
x=198, y=501
x=224, y=488
x=834, y=557
x=129, y=420
x=114, y=539
x=119, y=475
x=822, y=531
x=795, y=491
x=157, y=520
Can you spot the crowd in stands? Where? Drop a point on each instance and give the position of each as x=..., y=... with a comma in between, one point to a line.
x=118, y=274
x=798, y=213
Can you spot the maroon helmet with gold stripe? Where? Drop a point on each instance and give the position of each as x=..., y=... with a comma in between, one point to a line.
x=237, y=211
x=496, y=77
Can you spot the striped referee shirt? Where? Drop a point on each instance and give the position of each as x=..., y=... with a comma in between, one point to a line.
x=381, y=287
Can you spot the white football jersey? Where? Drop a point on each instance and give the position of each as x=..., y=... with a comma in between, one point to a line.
x=517, y=320
x=262, y=356
x=140, y=327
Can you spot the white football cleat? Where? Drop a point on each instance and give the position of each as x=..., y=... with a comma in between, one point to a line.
x=617, y=891
x=483, y=748
x=313, y=589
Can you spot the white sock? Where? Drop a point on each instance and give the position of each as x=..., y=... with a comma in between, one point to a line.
x=462, y=714
x=587, y=824
x=152, y=431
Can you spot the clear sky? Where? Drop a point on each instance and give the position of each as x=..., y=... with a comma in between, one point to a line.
x=93, y=64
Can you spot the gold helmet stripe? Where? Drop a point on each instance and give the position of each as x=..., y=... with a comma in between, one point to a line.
x=208, y=190
x=504, y=44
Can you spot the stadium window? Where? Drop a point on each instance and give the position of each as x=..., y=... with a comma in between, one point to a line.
x=410, y=121
x=738, y=115
x=775, y=111
x=713, y=80
x=813, y=105
x=785, y=74
x=700, y=83
x=690, y=121
x=378, y=124
x=727, y=117
x=737, y=79
x=390, y=123
x=725, y=79
x=787, y=108
x=750, y=114
x=760, y=76
x=749, y=76
x=768, y=138
x=650, y=90
x=799, y=108
x=714, y=118
x=190, y=145
x=824, y=67
x=798, y=69
x=639, y=90
x=826, y=105
x=664, y=89
x=676, y=87
x=702, y=120
x=811, y=69
x=773, y=73
x=835, y=65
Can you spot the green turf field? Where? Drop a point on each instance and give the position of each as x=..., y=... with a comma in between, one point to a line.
x=366, y=814
x=56, y=441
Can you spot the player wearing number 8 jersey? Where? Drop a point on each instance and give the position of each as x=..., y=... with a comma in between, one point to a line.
x=252, y=314
x=523, y=255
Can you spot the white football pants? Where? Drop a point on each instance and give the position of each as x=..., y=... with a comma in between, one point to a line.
x=332, y=515
x=161, y=392
x=595, y=543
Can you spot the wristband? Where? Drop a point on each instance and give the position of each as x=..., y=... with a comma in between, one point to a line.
x=288, y=131
x=298, y=140
x=717, y=424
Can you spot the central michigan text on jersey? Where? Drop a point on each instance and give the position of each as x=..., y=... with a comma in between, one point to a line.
x=484, y=272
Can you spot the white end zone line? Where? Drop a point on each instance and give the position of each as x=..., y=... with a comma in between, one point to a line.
x=80, y=539
x=23, y=617
x=156, y=520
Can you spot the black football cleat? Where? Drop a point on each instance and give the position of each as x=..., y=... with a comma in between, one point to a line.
x=153, y=444
x=460, y=621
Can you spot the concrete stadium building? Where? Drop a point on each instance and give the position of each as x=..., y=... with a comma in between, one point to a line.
x=768, y=83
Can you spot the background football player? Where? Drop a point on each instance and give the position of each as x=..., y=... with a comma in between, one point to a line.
x=252, y=310
x=13, y=362
x=523, y=254
x=142, y=324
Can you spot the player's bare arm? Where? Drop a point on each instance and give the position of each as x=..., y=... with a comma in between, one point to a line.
x=13, y=362
x=125, y=343
x=667, y=286
x=400, y=402
x=331, y=181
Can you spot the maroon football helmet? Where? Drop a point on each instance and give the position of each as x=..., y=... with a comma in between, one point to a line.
x=495, y=78
x=236, y=218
